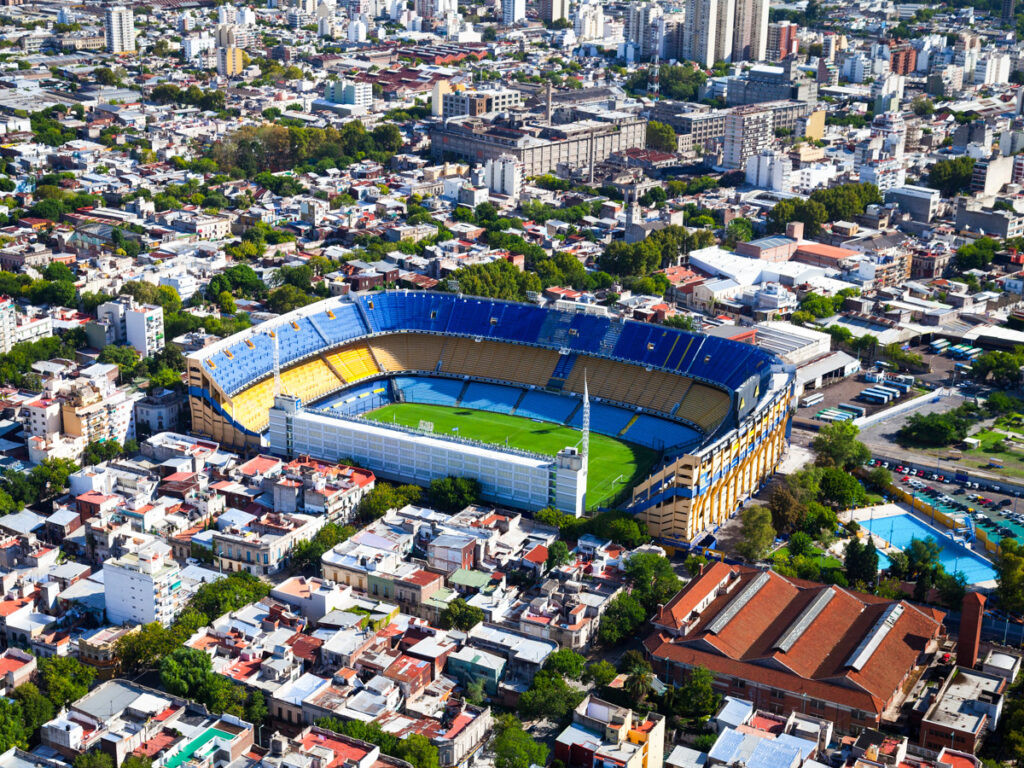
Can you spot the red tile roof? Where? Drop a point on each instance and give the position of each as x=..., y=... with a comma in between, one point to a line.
x=794, y=635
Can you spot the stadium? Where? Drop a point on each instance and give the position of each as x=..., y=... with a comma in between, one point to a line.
x=678, y=427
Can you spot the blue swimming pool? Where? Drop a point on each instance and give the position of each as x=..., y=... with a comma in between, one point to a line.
x=900, y=529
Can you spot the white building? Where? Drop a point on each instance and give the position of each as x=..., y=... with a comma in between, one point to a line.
x=16, y=328
x=513, y=12
x=994, y=69
x=516, y=478
x=770, y=170
x=505, y=176
x=119, y=28
x=142, y=587
x=194, y=46
x=144, y=329
x=589, y=21
x=349, y=92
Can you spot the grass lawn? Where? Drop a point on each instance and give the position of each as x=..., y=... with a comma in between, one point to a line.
x=823, y=560
x=614, y=465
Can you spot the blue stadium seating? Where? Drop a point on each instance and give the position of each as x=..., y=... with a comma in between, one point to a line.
x=490, y=397
x=358, y=399
x=659, y=433
x=546, y=407
x=418, y=389
x=606, y=419
x=346, y=324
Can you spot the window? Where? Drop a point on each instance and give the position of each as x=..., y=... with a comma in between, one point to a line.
x=737, y=683
x=777, y=694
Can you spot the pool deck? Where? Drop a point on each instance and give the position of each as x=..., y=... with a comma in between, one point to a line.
x=879, y=511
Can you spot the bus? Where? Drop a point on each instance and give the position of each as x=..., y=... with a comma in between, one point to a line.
x=891, y=390
x=957, y=350
x=939, y=346
x=810, y=400
x=857, y=410
x=972, y=353
x=875, y=396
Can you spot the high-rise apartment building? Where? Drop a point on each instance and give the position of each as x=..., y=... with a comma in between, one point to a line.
x=119, y=28
x=589, y=22
x=230, y=62
x=642, y=29
x=782, y=40
x=708, y=31
x=553, y=10
x=750, y=32
x=748, y=131
x=142, y=587
x=512, y=12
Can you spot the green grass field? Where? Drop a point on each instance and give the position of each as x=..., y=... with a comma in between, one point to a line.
x=614, y=465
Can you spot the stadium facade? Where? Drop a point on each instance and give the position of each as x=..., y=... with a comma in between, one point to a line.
x=716, y=411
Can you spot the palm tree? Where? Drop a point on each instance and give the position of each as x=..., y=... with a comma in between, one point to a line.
x=638, y=686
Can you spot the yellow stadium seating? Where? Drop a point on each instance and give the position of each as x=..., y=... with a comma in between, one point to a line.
x=354, y=363
x=309, y=381
x=408, y=351
x=498, y=360
x=705, y=406
x=250, y=407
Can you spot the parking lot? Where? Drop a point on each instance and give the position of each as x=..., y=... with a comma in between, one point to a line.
x=995, y=508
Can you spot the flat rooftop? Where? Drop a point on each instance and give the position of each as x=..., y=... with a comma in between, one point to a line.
x=962, y=706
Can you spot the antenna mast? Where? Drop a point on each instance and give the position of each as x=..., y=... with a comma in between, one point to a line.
x=586, y=417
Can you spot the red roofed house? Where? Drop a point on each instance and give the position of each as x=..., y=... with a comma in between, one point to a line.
x=790, y=645
x=412, y=675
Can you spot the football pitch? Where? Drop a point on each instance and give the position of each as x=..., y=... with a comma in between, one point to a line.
x=614, y=465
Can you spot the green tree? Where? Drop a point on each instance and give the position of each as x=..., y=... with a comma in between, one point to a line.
x=384, y=497
x=841, y=489
x=951, y=177
x=558, y=554
x=549, y=696
x=65, y=679
x=234, y=591
x=638, y=687
x=621, y=620
x=600, y=673
x=739, y=230
x=922, y=556
x=36, y=708
x=699, y=694
x=460, y=615
x=139, y=651
x=652, y=579
x=799, y=544
x=453, y=494
x=1009, y=567
x=93, y=759
x=125, y=358
x=695, y=564
x=515, y=748
x=183, y=672
x=757, y=534
x=97, y=453
x=661, y=137
x=836, y=445
x=566, y=662
x=226, y=303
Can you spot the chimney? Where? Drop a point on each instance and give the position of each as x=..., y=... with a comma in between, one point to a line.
x=547, y=110
x=971, y=614
x=795, y=230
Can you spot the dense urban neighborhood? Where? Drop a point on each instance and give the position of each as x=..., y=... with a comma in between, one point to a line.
x=511, y=384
